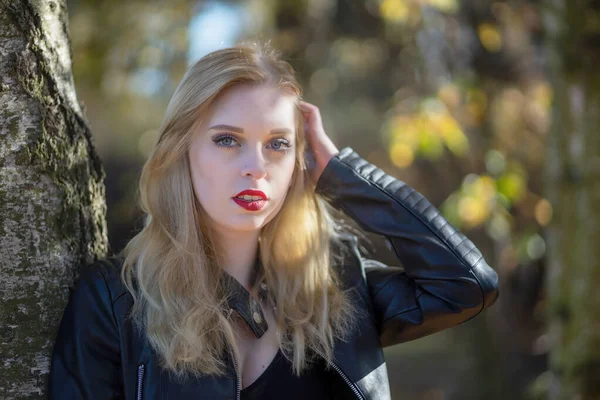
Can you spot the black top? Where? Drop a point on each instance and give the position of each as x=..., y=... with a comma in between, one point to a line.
x=279, y=382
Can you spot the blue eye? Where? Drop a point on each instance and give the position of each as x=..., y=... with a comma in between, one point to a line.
x=279, y=143
x=224, y=141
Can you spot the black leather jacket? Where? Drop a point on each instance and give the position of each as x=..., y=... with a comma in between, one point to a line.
x=443, y=281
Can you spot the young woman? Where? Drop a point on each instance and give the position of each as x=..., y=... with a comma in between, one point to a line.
x=241, y=285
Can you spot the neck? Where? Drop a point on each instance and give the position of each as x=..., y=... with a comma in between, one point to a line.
x=237, y=255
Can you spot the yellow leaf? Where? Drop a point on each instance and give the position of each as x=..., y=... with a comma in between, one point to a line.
x=543, y=212
x=430, y=145
x=490, y=37
x=448, y=6
x=472, y=211
x=450, y=131
x=483, y=188
x=512, y=185
x=450, y=95
x=402, y=155
x=394, y=10
x=542, y=94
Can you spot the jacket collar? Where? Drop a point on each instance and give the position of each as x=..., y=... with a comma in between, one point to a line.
x=247, y=307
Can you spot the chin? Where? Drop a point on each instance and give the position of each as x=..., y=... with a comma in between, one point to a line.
x=248, y=223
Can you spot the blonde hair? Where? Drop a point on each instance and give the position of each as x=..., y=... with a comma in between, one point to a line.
x=171, y=268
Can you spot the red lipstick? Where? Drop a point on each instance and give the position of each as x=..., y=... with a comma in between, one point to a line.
x=251, y=204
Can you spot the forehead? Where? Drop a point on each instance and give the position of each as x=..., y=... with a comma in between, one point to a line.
x=254, y=104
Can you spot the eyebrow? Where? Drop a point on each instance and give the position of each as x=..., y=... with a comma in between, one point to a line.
x=241, y=130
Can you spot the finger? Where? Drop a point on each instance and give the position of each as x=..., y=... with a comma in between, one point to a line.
x=307, y=106
x=312, y=113
x=305, y=111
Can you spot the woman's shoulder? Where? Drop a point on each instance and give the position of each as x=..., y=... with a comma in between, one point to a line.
x=103, y=275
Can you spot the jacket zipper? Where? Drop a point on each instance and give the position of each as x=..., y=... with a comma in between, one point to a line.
x=140, y=380
x=238, y=380
x=351, y=384
x=348, y=382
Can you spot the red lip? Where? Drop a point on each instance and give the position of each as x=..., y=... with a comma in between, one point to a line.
x=253, y=205
x=251, y=192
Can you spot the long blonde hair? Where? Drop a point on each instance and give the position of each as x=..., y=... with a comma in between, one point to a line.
x=171, y=268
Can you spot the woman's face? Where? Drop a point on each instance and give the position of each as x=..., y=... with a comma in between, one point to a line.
x=246, y=143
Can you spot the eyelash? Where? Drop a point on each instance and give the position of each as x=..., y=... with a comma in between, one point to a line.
x=217, y=139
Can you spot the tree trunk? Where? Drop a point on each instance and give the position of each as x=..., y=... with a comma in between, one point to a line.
x=572, y=186
x=52, y=204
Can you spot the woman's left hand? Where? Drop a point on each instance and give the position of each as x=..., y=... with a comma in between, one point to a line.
x=320, y=145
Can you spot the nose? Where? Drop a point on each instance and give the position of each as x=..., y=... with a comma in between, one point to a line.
x=254, y=164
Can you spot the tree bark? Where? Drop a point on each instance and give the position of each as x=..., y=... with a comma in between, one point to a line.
x=52, y=205
x=572, y=185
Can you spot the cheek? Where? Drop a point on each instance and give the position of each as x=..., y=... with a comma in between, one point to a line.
x=205, y=176
x=284, y=172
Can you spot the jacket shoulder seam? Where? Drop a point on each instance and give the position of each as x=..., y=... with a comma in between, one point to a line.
x=112, y=302
x=117, y=292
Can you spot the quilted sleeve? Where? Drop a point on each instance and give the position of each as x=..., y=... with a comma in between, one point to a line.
x=443, y=279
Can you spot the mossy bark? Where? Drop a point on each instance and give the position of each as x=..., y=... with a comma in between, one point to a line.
x=572, y=186
x=52, y=203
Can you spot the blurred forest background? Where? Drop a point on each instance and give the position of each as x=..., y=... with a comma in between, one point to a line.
x=488, y=108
